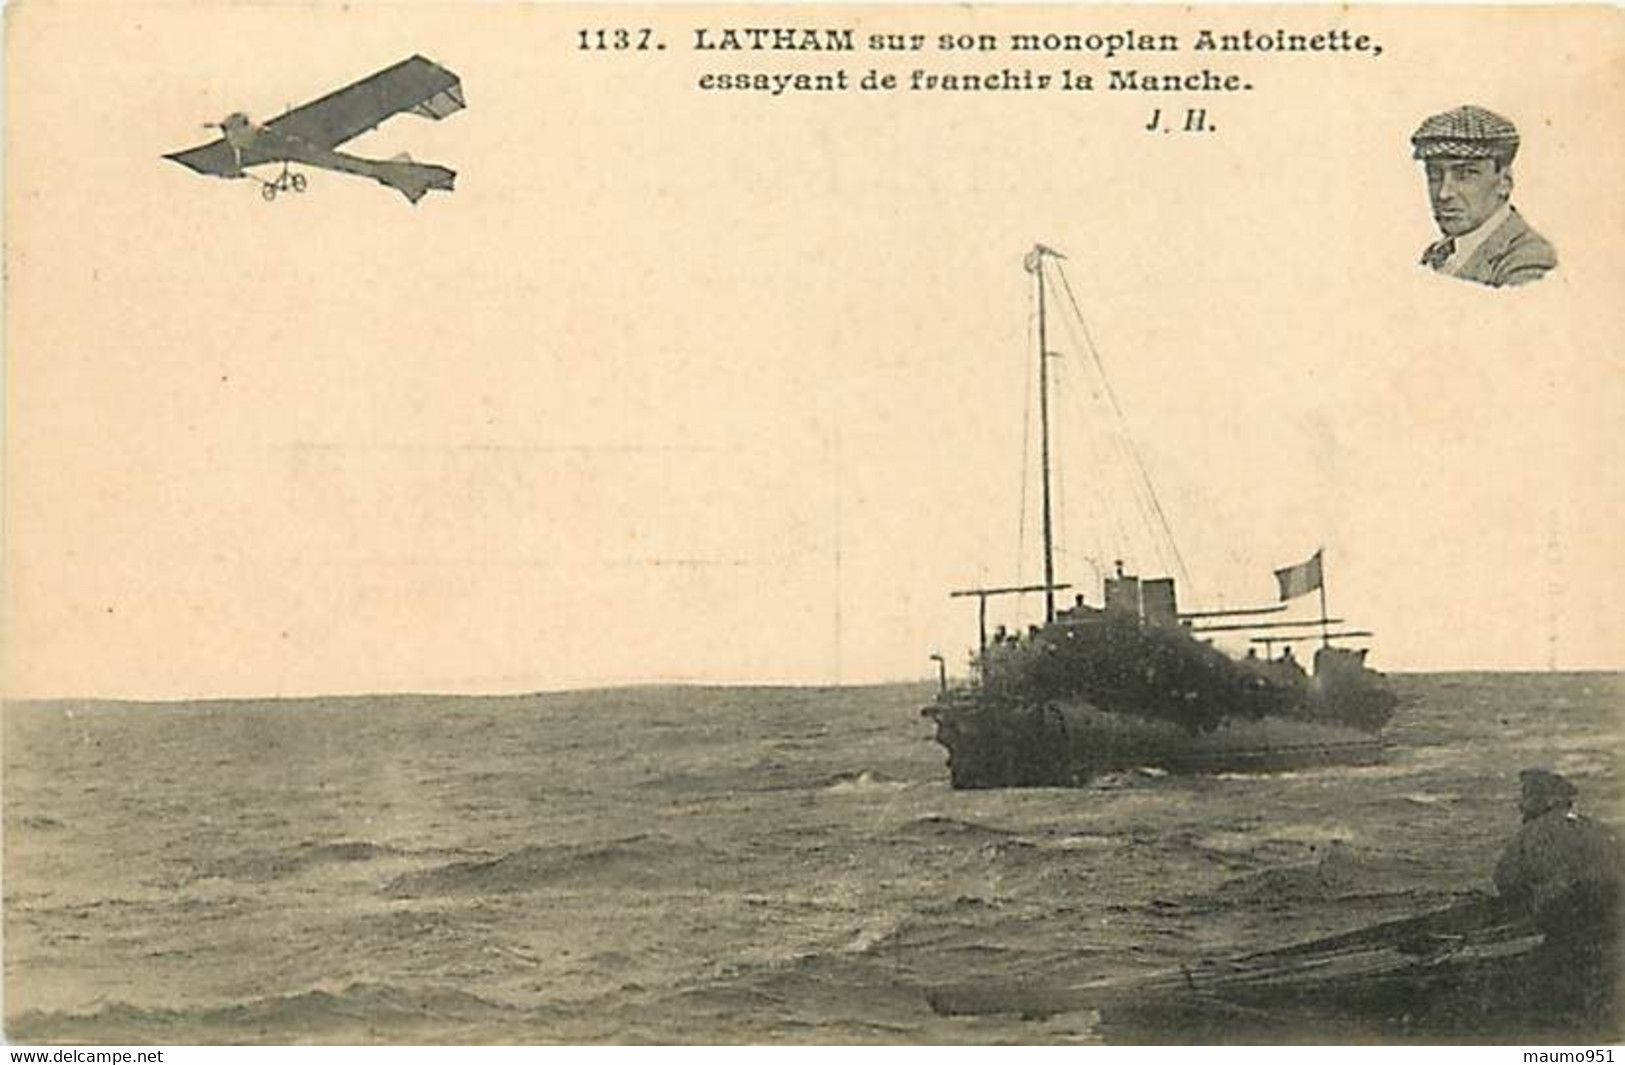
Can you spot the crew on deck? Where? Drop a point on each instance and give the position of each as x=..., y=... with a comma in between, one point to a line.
x=1078, y=611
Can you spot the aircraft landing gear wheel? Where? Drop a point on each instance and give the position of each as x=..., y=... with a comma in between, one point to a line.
x=298, y=182
x=268, y=190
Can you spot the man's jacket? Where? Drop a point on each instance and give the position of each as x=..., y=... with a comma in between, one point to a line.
x=1513, y=254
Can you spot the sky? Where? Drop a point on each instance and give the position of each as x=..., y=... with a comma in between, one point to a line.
x=681, y=385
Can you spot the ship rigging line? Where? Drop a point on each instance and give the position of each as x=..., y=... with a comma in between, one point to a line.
x=1116, y=451
x=1026, y=435
x=1115, y=441
x=1141, y=497
x=1134, y=451
x=1059, y=459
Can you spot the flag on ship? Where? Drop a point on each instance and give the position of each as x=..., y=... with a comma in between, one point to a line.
x=1300, y=579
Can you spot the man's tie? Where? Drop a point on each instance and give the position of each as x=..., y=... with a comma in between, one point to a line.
x=1439, y=253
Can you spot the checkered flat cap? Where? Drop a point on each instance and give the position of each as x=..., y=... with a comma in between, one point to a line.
x=1465, y=133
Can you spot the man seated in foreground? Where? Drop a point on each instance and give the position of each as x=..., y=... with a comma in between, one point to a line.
x=1562, y=868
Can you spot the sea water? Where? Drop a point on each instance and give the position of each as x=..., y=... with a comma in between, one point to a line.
x=691, y=864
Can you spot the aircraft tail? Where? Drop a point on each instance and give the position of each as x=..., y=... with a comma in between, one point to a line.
x=414, y=180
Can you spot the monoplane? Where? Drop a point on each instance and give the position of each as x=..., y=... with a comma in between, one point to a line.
x=309, y=135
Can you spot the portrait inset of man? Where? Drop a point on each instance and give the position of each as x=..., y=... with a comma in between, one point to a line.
x=1467, y=154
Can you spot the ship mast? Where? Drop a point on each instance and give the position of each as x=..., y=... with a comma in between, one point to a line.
x=1035, y=266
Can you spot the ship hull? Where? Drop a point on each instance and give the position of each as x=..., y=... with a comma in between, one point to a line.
x=1069, y=743
x=1073, y=701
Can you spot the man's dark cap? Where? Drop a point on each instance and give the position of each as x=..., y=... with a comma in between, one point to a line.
x=1467, y=132
x=1546, y=787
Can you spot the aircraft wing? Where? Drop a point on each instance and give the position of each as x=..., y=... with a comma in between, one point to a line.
x=416, y=85
x=216, y=158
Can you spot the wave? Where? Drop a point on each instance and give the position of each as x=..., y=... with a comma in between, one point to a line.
x=375, y=1011
x=942, y=827
x=1428, y=798
x=642, y=860
x=1335, y=875
x=763, y=775
x=864, y=783
x=260, y=866
x=1272, y=842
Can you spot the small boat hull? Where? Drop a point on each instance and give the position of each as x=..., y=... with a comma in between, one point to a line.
x=1475, y=972
x=1508, y=985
